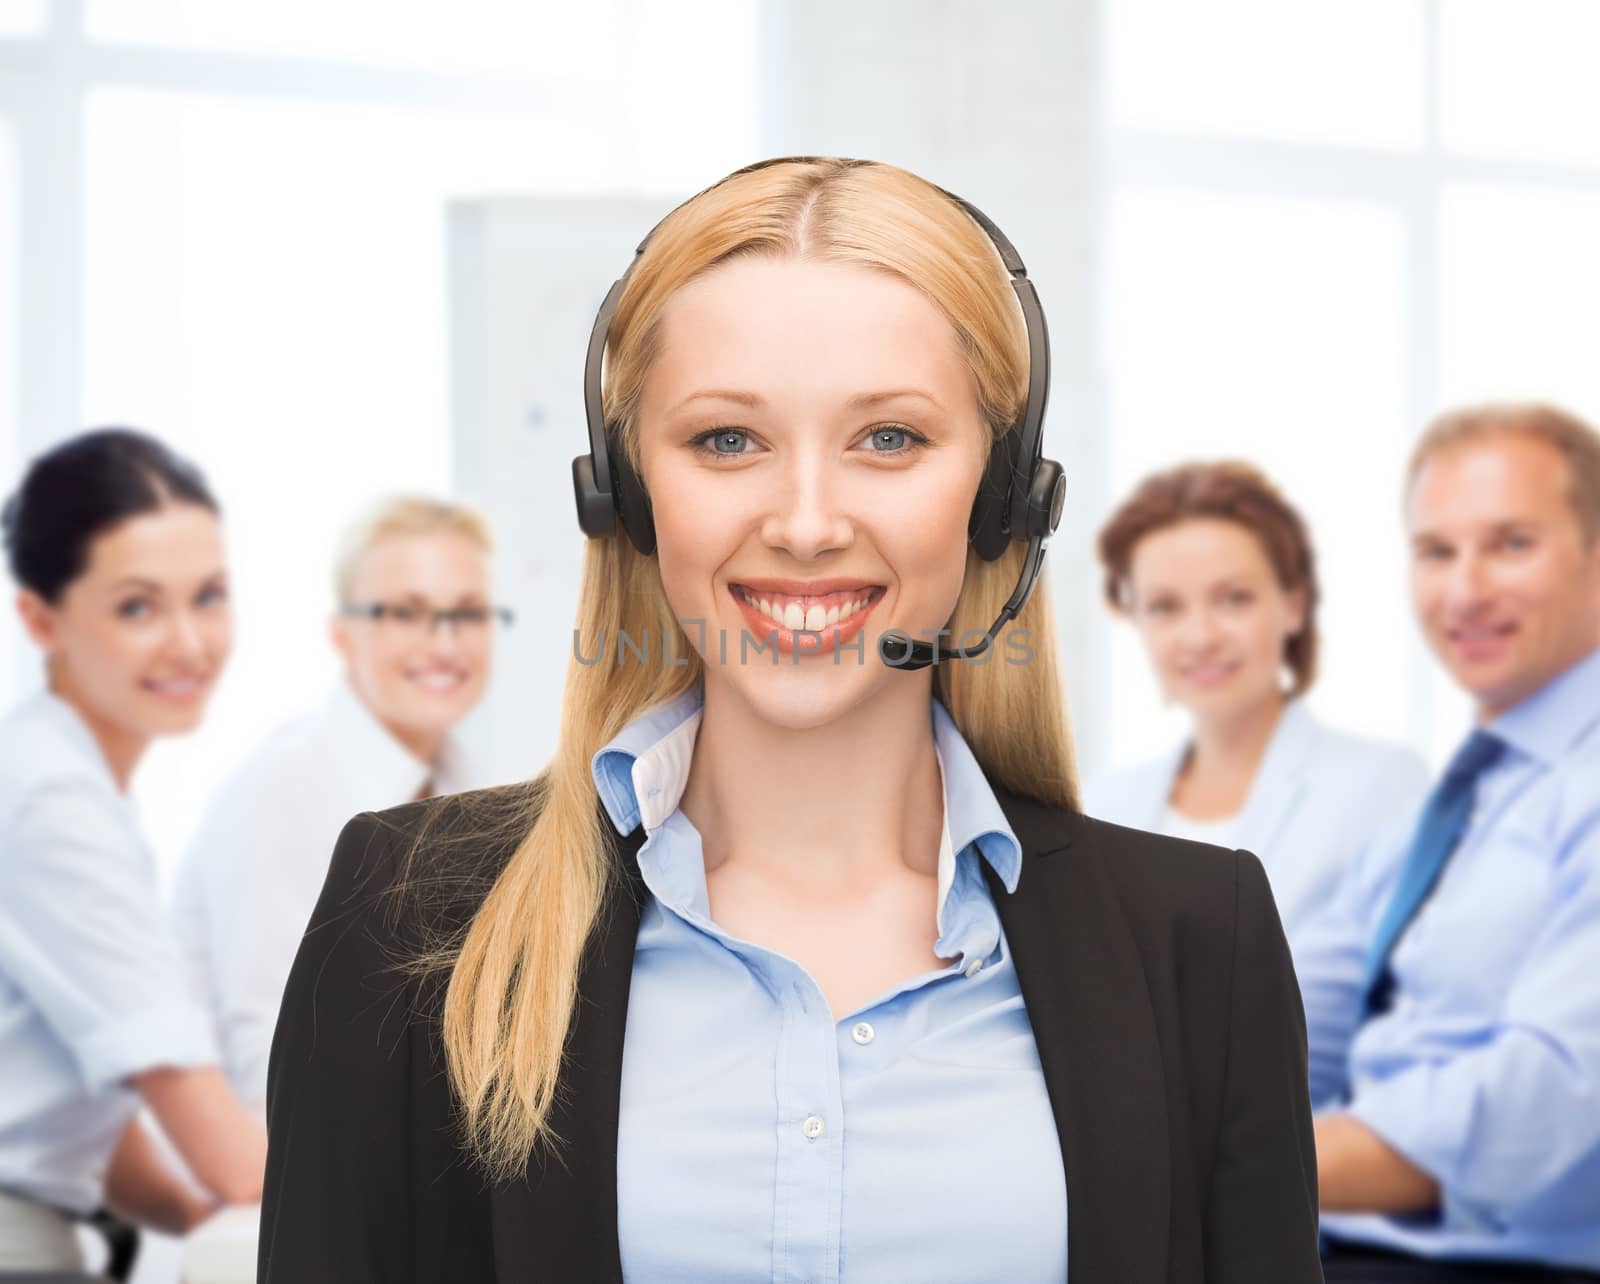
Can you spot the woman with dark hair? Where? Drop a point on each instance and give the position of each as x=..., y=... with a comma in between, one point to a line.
x=1216, y=570
x=115, y=545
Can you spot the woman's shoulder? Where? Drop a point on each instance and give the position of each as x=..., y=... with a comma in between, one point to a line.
x=1132, y=793
x=1157, y=880
x=427, y=865
x=1385, y=764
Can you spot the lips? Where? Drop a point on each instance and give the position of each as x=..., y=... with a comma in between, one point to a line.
x=1208, y=675
x=185, y=689
x=1479, y=641
x=805, y=618
x=442, y=682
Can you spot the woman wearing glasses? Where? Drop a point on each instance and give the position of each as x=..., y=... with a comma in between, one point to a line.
x=115, y=545
x=414, y=629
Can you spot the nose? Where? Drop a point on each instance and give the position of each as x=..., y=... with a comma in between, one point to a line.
x=805, y=516
x=1467, y=585
x=1197, y=629
x=445, y=634
x=186, y=639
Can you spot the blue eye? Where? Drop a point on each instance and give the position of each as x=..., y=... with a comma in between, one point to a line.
x=213, y=597
x=134, y=609
x=722, y=441
x=894, y=439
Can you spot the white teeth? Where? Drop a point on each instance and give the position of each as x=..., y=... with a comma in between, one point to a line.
x=440, y=681
x=792, y=615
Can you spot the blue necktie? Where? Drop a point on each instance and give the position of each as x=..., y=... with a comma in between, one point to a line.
x=1443, y=822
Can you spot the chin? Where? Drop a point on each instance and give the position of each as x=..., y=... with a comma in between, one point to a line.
x=810, y=694
x=168, y=721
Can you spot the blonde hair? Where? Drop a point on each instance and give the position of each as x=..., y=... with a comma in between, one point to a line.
x=402, y=515
x=514, y=978
x=1577, y=442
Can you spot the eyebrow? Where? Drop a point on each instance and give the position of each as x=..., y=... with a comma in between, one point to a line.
x=154, y=586
x=862, y=401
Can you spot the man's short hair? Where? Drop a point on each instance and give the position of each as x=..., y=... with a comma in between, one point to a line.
x=1577, y=441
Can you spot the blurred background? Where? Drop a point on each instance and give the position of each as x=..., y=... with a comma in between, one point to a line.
x=337, y=248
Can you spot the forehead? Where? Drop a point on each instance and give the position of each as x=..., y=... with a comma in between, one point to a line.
x=1496, y=479
x=1198, y=548
x=434, y=562
x=805, y=331
x=173, y=542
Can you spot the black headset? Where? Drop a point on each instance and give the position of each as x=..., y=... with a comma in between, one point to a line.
x=1020, y=496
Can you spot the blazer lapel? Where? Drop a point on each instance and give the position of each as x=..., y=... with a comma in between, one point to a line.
x=560, y=1221
x=1094, y=1025
x=1279, y=781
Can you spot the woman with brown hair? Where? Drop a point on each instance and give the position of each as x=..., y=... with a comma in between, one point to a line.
x=798, y=963
x=1215, y=569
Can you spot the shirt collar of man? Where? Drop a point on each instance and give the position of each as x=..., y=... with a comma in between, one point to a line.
x=1548, y=723
x=642, y=772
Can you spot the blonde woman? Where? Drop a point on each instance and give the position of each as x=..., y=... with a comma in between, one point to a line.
x=799, y=963
x=414, y=628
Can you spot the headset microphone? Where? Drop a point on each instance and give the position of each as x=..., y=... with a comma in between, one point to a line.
x=1019, y=498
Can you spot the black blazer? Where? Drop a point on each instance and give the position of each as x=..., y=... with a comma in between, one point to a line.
x=1156, y=978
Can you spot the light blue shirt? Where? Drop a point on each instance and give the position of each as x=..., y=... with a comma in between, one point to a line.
x=91, y=988
x=761, y=1138
x=1486, y=1071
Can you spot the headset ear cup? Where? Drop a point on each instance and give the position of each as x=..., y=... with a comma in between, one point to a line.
x=632, y=500
x=986, y=528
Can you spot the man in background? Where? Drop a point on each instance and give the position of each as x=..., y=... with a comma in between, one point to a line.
x=1452, y=990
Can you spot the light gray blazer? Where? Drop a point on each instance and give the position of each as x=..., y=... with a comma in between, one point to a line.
x=1319, y=796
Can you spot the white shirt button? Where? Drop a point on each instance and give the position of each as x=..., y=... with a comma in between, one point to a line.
x=974, y=967
x=813, y=1127
x=862, y=1033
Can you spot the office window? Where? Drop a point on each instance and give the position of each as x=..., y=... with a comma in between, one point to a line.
x=1326, y=223
x=21, y=17
x=1270, y=329
x=1518, y=79
x=1329, y=73
x=11, y=648
x=1519, y=301
x=556, y=42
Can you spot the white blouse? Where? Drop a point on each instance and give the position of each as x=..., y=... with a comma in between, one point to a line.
x=251, y=877
x=92, y=989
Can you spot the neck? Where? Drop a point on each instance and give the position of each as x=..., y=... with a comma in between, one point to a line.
x=1235, y=745
x=424, y=746
x=120, y=747
x=837, y=804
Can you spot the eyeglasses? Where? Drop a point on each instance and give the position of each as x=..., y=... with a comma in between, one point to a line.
x=416, y=617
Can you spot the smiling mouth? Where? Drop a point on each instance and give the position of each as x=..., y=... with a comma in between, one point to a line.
x=813, y=612
x=439, y=681
x=178, y=690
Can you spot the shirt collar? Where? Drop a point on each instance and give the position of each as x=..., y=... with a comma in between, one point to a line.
x=641, y=774
x=384, y=767
x=66, y=718
x=1555, y=717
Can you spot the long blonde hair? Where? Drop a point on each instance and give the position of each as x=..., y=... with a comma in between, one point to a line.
x=514, y=979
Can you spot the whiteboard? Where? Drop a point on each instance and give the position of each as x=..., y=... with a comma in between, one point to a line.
x=526, y=277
